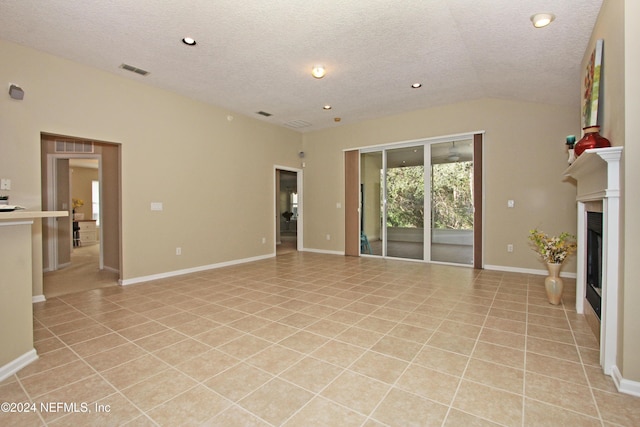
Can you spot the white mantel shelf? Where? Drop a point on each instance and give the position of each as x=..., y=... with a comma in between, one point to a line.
x=594, y=176
x=598, y=176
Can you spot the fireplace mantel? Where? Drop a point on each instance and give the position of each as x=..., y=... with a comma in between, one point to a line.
x=597, y=173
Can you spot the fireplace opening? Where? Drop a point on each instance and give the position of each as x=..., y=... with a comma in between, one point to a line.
x=594, y=261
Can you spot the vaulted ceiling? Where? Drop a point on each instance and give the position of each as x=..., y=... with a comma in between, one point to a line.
x=256, y=56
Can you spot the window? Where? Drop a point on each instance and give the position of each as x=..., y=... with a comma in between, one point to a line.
x=95, y=201
x=294, y=205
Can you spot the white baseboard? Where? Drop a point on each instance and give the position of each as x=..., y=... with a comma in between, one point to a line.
x=38, y=298
x=110, y=269
x=15, y=365
x=322, y=251
x=193, y=270
x=569, y=275
x=623, y=385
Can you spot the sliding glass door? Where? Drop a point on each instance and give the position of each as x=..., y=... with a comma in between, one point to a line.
x=405, y=202
x=416, y=201
x=452, y=202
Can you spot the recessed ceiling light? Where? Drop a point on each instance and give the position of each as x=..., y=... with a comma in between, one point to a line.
x=416, y=85
x=318, y=71
x=327, y=107
x=540, y=20
x=189, y=41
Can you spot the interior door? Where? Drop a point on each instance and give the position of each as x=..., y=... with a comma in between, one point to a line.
x=63, y=225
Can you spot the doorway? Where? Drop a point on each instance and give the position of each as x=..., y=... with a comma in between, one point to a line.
x=288, y=210
x=81, y=251
x=421, y=200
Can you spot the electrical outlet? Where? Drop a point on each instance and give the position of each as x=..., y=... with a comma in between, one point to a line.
x=178, y=251
x=509, y=247
x=328, y=236
x=5, y=184
x=264, y=240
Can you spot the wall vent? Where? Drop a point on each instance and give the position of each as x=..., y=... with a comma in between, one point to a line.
x=74, y=147
x=264, y=113
x=297, y=124
x=134, y=69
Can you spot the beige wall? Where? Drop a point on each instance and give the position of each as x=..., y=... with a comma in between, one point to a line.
x=629, y=360
x=620, y=111
x=16, y=323
x=190, y=153
x=177, y=151
x=525, y=157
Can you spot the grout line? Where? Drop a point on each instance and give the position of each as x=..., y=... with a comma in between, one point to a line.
x=352, y=281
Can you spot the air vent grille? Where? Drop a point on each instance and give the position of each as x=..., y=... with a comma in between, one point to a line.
x=74, y=147
x=134, y=69
x=297, y=124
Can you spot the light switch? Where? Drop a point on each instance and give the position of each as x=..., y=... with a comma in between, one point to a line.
x=510, y=203
x=156, y=206
x=338, y=205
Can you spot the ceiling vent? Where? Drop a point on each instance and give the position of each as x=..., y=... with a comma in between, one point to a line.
x=134, y=69
x=297, y=124
x=264, y=113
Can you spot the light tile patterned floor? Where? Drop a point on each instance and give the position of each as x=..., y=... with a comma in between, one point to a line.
x=319, y=340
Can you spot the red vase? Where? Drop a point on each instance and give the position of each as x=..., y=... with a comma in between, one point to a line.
x=591, y=139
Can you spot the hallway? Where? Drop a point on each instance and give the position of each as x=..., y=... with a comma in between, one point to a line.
x=82, y=275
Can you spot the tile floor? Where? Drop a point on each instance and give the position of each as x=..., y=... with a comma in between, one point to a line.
x=308, y=339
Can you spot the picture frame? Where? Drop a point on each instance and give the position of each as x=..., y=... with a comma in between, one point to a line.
x=592, y=85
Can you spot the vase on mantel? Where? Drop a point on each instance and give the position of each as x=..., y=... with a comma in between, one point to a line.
x=591, y=139
x=553, y=283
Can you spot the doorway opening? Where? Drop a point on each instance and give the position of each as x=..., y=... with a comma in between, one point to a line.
x=288, y=210
x=81, y=251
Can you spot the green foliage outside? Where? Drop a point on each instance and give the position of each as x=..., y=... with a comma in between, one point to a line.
x=451, y=192
x=452, y=196
x=405, y=197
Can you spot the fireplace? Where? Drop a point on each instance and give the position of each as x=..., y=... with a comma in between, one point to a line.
x=597, y=174
x=594, y=262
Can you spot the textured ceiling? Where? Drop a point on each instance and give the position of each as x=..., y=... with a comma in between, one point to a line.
x=256, y=55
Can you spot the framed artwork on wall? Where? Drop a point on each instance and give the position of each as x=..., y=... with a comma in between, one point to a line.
x=592, y=87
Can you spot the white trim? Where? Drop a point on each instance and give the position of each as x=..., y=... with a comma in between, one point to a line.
x=604, y=165
x=174, y=273
x=409, y=143
x=38, y=298
x=569, y=275
x=623, y=385
x=52, y=243
x=18, y=222
x=323, y=251
x=18, y=363
x=111, y=269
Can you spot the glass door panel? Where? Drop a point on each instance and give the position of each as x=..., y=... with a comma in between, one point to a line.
x=405, y=202
x=452, y=202
x=371, y=231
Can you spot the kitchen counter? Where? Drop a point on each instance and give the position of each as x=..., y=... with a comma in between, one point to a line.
x=16, y=303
